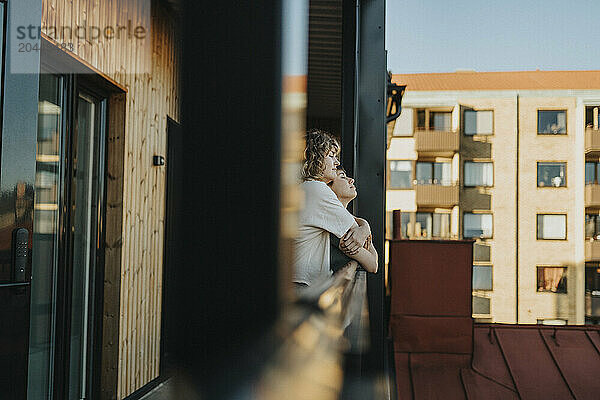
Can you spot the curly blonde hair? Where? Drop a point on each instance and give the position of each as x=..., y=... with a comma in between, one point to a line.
x=318, y=144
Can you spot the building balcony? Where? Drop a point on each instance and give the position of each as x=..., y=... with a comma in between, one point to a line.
x=592, y=142
x=592, y=305
x=592, y=195
x=437, y=142
x=592, y=250
x=436, y=195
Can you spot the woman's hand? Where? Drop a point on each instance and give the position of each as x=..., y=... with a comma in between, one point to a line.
x=366, y=256
x=355, y=239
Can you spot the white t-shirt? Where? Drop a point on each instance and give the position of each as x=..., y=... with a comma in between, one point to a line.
x=322, y=214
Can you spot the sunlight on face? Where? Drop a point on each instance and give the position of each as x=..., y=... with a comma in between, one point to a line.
x=343, y=186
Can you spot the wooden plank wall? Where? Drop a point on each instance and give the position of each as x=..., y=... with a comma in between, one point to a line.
x=150, y=98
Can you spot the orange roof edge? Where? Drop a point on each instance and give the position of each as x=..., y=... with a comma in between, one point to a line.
x=509, y=80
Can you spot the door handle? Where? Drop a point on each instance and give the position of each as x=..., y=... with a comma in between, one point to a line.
x=20, y=252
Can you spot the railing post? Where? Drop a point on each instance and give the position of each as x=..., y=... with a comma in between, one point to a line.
x=397, y=224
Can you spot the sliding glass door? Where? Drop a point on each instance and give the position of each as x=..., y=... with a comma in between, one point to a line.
x=48, y=187
x=67, y=260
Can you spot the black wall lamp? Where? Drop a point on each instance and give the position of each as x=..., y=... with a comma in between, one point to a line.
x=394, y=97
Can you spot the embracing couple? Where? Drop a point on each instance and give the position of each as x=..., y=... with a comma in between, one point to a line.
x=328, y=235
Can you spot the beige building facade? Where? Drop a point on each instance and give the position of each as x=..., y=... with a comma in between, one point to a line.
x=509, y=159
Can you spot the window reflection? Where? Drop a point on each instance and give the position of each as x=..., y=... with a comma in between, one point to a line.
x=552, y=174
x=45, y=229
x=434, y=173
x=552, y=122
x=400, y=174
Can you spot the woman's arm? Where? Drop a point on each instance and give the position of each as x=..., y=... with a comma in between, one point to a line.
x=357, y=236
x=366, y=256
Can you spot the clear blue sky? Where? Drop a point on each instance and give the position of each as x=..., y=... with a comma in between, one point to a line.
x=492, y=35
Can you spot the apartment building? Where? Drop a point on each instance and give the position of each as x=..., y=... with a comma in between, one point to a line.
x=510, y=159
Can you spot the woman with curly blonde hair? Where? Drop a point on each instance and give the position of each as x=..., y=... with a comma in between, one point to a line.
x=323, y=213
x=320, y=157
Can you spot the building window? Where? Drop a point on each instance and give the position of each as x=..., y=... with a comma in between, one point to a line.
x=552, y=321
x=400, y=174
x=433, y=120
x=592, y=226
x=552, y=279
x=482, y=277
x=477, y=225
x=479, y=173
x=552, y=174
x=481, y=252
x=552, y=226
x=434, y=173
x=591, y=172
x=441, y=225
x=552, y=122
x=407, y=230
x=592, y=278
x=440, y=121
x=425, y=225
x=478, y=122
x=590, y=121
x=481, y=305
x=421, y=117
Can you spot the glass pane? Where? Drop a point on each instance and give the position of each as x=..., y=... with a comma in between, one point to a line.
x=423, y=225
x=442, y=174
x=420, y=119
x=552, y=174
x=590, y=172
x=592, y=278
x=589, y=117
x=551, y=226
x=591, y=225
x=481, y=252
x=400, y=174
x=407, y=228
x=441, y=225
x=481, y=305
x=482, y=277
x=83, y=186
x=552, y=279
x=479, y=174
x=552, y=122
x=440, y=121
x=477, y=225
x=554, y=322
x=45, y=236
x=479, y=122
x=424, y=173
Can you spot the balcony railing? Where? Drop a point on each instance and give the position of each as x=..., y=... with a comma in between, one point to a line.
x=592, y=305
x=592, y=141
x=444, y=142
x=592, y=250
x=437, y=195
x=327, y=321
x=592, y=195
